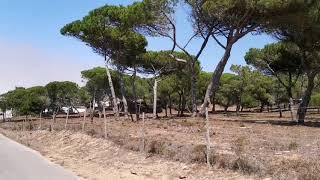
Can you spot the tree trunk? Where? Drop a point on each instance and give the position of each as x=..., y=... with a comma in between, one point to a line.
x=289, y=88
x=280, y=111
x=4, y=116
x=238, y=109
x=261, y=108
x=113, y=94
x=213, y=105
x=302, y=110
x=135, y=93
x=193, y=89
x=180, y=106
x=170, y=106
x=226, y=109
x=155, y=98
x=183, y=104
x=215, y=81
x=166, y=110
x=123, y=93
x=54, y=115
x=93, y=109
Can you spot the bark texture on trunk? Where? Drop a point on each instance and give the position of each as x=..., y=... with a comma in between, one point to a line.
x=302, y=110
x=123, y=93
x=213, y=103
x=113, y=94
x=214, y=84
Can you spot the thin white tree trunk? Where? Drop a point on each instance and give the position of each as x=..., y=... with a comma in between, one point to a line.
x=93, y=108
x=155, y=86
x=113, y=94
x=84, y=120
x=208, y=138
x=66, y=123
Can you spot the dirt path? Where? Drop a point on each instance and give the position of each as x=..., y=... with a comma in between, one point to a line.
x=96, y=158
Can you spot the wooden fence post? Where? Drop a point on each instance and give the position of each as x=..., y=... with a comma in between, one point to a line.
x=53, y=120
x=66, y=123
x=84, y=120
x=105, y=122
x=208, y=138
x=142, y=145
x=40, y=121
x=291, y=108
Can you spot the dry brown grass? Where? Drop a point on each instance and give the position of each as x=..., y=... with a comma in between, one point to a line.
x=246, y=147
x=296, y=168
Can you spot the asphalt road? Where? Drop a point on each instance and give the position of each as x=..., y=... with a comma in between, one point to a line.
x=18, y=162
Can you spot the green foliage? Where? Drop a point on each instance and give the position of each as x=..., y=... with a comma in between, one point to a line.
x=84, y=97
x=261, y=88
x=62, y=93
x=3, y=103
x=315, y=100
x=203, y=82
x=27, y=101
x=245, y=15
x=277, y=58
x=109, y=32
x=97, y=83
x=227, y=94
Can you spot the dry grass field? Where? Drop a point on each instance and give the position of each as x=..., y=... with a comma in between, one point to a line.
x=249, y=146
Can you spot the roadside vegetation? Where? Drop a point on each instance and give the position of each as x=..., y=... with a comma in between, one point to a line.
x=161, y=98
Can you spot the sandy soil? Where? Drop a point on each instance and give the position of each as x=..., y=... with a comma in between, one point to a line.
x=96, y=158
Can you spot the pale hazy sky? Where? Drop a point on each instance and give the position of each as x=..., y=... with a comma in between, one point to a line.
x=32, y=51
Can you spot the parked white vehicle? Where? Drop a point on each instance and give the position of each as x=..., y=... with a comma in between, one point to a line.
x=6, y=115
x=78, y=109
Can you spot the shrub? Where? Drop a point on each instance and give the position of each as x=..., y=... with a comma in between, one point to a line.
x=293, y=146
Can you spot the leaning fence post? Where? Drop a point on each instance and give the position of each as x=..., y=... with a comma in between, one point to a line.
x=142, y=145
x=84, y=120
x=208, y=138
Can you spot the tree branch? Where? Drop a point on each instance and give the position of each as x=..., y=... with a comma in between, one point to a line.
x=219, y=43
